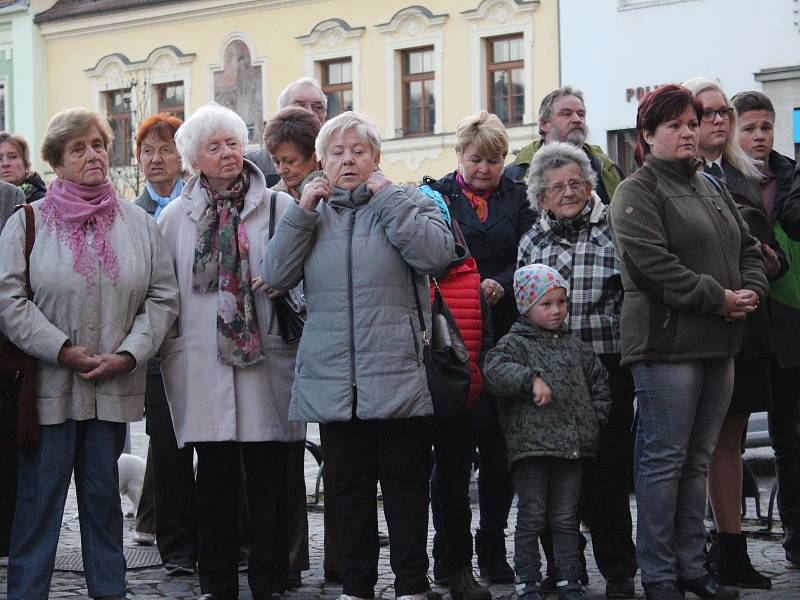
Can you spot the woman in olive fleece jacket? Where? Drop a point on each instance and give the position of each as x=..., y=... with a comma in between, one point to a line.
x=691, y=273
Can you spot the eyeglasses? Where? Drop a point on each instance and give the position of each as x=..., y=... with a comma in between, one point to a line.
x=316, y=107
x=558, y=189
x=724, y=113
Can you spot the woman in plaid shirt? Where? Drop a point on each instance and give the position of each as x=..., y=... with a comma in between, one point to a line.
x=572, y=235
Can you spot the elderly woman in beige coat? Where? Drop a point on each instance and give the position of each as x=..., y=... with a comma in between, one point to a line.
x=227, y=372
x=104, y=296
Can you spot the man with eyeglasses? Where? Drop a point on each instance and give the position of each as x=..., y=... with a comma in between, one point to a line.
x=306, y=93
x=562, y=118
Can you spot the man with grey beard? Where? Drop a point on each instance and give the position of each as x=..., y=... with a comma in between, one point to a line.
x=562, y=118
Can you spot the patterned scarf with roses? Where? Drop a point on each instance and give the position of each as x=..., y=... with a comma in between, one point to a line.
x=222, y=265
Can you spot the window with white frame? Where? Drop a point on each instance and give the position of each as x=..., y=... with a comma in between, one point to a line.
x=170, y=98
x=505, y=77
x=118, y=108
x=337, y=84
x=419, y=101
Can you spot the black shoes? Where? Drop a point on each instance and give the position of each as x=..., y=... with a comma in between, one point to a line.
x=731, y=564
x=179, y=567
x=490, y=548
x=464, y=587
x=662, y=590
x=705, y=587
x=619, y=588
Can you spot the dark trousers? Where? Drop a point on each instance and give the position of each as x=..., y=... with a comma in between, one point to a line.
x=8, y=495
x=296, y=507
x=605, y=502
x=396, y=453
x=784, y=429
x=218, y=472
x=330, y=562
x=495, y=486
x=173, y=480
x=548, y=490
x=146, y=511
x=452, y=516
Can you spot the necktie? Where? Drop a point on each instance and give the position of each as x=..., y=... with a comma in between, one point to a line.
x=713, y=169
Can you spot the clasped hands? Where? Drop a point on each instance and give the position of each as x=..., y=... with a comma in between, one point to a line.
x=93, y=366
x=738, y=304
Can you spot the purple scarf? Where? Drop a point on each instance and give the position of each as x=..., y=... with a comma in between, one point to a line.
x=71, y=209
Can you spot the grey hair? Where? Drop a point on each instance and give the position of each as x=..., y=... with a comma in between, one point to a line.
x=731, y=151
x=553, y=156
x=207, y=121
x=546, y=107
x=365, y=127
x=283, y=99
x=68, y=124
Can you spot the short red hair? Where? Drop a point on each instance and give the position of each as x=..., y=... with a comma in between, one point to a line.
x=162, y=125
x=659, y=106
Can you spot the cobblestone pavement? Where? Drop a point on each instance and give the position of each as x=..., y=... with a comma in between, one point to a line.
x=151, y=583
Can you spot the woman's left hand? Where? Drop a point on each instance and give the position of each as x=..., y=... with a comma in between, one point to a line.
x=772, y=263
x=111, y=365
x=492, y=291
x=259, y=284
x=377, y=181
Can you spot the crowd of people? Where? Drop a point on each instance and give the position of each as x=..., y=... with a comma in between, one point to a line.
x=619, y=332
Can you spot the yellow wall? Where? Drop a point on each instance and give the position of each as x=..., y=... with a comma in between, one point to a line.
x=76, y=45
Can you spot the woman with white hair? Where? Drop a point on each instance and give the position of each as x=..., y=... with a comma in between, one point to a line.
x=364, y=248
x=573, y=236
x=227, y=372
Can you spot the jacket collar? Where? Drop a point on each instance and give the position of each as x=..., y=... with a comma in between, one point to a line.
x=195, y=198
x=684, y=169
x=593, y=213
x=350, y=198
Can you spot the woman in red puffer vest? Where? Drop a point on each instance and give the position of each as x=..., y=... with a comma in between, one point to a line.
x=453, y=444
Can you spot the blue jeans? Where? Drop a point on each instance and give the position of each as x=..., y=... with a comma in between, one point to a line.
x=681, y=409
x=90, y=448
x=548, y=490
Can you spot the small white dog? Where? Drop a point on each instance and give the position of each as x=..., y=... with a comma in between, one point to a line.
x=131, y=479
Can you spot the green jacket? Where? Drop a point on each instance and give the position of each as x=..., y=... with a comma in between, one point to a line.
x=569, y=425
x=682, y=243
x=609, y=173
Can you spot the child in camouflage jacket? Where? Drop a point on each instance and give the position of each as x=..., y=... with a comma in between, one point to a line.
x=553, y=400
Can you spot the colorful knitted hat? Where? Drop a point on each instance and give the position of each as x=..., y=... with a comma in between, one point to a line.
x=531, y=282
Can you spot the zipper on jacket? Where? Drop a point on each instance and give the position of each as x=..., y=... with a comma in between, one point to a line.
x=351, y=311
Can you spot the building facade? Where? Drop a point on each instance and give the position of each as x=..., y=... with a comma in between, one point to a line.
x=23, y=100
x=417, y=69
x=617, y=50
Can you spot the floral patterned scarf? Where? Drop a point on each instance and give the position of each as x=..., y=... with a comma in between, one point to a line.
x=222, y=265
x=478, y=200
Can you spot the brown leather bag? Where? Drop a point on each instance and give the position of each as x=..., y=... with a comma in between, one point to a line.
x=19, y=419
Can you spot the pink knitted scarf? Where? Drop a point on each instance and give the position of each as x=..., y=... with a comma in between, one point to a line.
x=71, y=209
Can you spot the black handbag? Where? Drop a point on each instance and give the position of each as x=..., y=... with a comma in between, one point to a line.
x=446, y=358
x=19, y=419
x=290, y=320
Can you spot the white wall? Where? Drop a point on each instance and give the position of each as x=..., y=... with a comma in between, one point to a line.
x=606, y=50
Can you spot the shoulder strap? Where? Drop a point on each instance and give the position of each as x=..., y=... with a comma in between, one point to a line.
x=272, y=198
x=422, y=328
x=715, y=183
x=30, y=238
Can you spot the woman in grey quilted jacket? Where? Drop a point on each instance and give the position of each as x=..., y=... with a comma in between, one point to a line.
x=362, y=245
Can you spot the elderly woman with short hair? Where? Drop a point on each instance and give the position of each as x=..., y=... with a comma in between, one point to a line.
x=290, y=137
x=364, y=248
x=227, y=372
x=573, y=236
x=104, y=296
x=493, y=213
x=15, y=166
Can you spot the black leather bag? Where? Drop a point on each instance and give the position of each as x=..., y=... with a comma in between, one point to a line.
x=19, y=419
x=290, y=320
x=446, y=358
